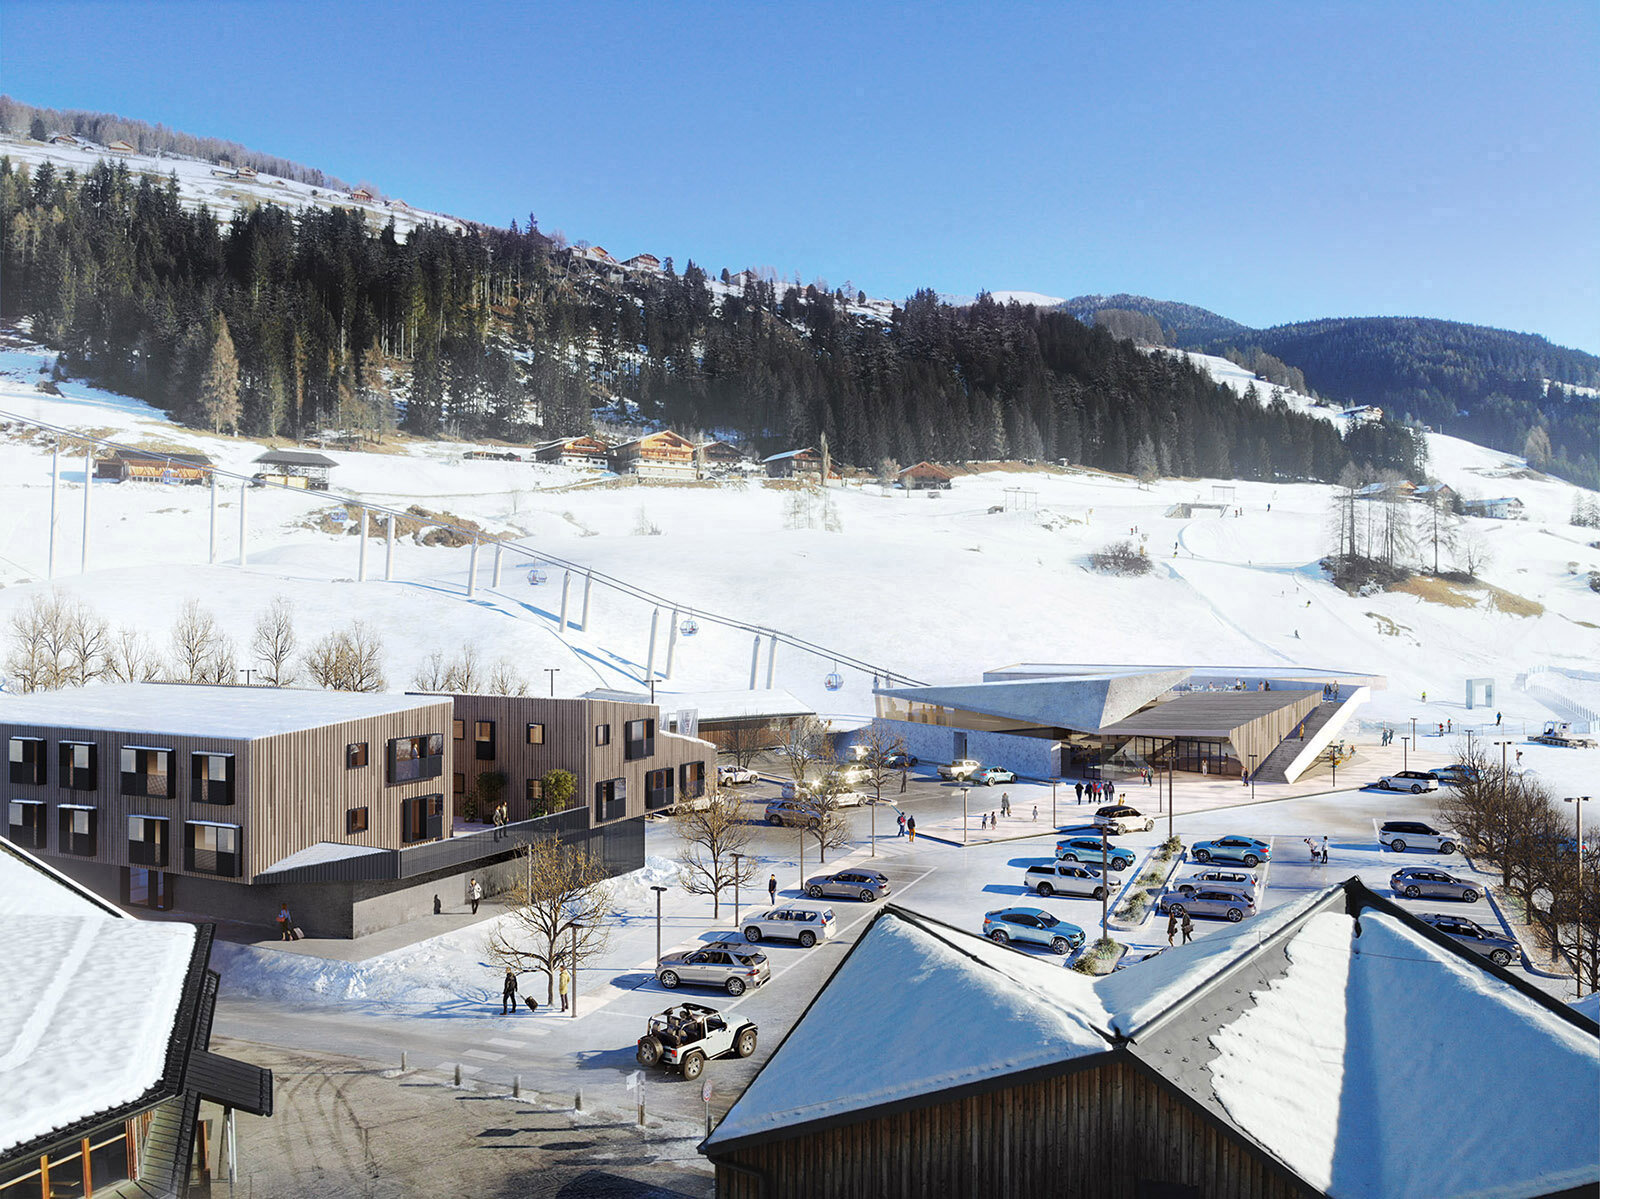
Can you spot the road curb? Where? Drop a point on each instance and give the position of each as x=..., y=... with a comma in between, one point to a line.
x=1126, y=926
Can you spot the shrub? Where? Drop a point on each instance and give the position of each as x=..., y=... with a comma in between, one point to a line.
x=1121, y=558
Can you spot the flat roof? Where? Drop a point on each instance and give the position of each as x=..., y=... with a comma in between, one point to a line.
x=186, y=709
x=1204, y=713
x=1249, y=674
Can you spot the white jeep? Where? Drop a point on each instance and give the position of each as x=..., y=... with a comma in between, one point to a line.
x=959, y=770
x=684, y=1036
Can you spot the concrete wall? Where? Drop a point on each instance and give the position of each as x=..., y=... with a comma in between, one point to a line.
x=1031, y=757
x=928, y=742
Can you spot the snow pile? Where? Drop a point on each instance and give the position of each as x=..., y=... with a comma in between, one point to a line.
x=87, y=1006
x=29, y=887
x=630, y=891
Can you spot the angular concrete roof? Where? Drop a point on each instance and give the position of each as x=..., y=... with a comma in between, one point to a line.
x=1084, y=703
x=1205, y=713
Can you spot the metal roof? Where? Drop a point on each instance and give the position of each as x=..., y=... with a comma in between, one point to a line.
x=295, y=458
x=1205, y=713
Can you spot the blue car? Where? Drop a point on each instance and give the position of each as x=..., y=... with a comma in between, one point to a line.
x=1089, y=847
x=1032, y=926
x=1232, y=849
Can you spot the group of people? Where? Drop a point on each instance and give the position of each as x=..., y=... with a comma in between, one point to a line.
x=906, y=824
x=1102, y=790
x=1318, y=850
x=508, y=990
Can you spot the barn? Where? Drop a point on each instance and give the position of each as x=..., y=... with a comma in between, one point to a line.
x=925, y=476
x=151, y=466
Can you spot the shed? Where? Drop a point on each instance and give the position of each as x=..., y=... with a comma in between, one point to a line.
x=296, y=468
x=925, y=476
x=152, y=466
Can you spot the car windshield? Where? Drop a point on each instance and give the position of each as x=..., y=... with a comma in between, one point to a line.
x=1047, y=920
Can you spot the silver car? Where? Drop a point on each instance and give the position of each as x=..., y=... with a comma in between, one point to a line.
x=793, y=813
x=866, y=885
x=1064, y=878
x=735, y=969
x=1242, y=881
x=1422, y=882
x=792, y=922
x=1496, y=947
x=1208, y=901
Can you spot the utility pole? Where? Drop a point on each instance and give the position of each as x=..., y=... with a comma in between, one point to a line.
x=1413, y=723
x=1054, y=803
x=51, y=528
x=1172, y=773
x=1254, y=759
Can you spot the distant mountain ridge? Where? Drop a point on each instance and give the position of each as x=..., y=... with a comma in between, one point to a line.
x=1190, y=325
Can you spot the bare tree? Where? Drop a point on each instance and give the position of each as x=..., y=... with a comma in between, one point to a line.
x=833, y=830
x=742, y=739
x=273, y=643
x=39, y=657
x=1436, y=523
x=710, y=834
x=431, y=672
x=805, y=742
x=464, y=673
x=879, y=750
x=201, y=651
x=347, y=660
x=561, y=885
x=132, y=658
x=1575, y=916
x=505, y=680
x=88, y=644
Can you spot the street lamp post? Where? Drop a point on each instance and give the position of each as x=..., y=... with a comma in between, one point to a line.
x=872, y=808
x=1053, y=803
x=1414, y=722
x=658, y=925
x=552, y=671
x=1255, y=760
x=965, y=817
x=1578, y=802
x=738, y=875
x=1104, y=887
x=573, y=965
x=1172, y=804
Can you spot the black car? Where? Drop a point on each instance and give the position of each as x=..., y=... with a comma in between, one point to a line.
x=901, y=761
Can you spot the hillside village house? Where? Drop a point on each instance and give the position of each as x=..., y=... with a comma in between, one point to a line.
x=925, y=476
x=1364, y=412
x=646, y=263
x=63, y=139
x=106, y=1033
x=149, y=466
x=295, y=468
x=1505, y=508
x=121, y=146
x=795, y=464
x=590, y=453
x=1265, y=1061
x=226, y=801
x=663, y=455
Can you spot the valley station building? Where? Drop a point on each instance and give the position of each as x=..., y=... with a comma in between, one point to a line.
x=228, y=801
x=1068, y=720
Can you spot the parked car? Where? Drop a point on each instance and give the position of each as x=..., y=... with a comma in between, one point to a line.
x=733, y=776
x=1121, y=818
x=901, y=761
x=1064, y=878
x=1090, y=848
x=1208, y=901
x=1495, y=946
x=1422, y=882
x=849, y=773
x=866, y=885
x=959, y=770
x=793, y=812
x=1032, y=926
x=684, y=1037
x=1232, y=849
x=1399, y=835
x=989, y=775
x=735, y=969
x=1454, y=775
x=1417, y=781
x=803, y=924
x=1243, y=881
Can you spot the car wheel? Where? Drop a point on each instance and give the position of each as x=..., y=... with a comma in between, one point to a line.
x=1068, y=857
x=867, y=896
x=692, y=1065
x=1118, y=863
x=745, y=1043
x=647, y=1051
x=988, y=782
x=808, y=939
x=1234, y=915
x=1411, y=892
x=1177, y=910
x=999, y=936
x=1470, y=896
x=752, y=934
x=1201, y=855
x=668, y=979
x=776, y=820
x=815, y=892
x=1044, y=890
x=1446, y=847
x=1500, y=957
x=1416, y=789
x=1398, y=846
x=1148, y=828
x=1098, y=893
x=735, y=987
x=1060, y=945
x=1251, y=861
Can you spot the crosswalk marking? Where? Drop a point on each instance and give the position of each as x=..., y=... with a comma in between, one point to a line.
x=486, y=1055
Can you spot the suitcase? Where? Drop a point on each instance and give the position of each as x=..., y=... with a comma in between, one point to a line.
x=298, y=934
x=529, y=1000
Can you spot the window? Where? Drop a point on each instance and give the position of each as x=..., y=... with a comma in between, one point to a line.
x=357, y=755
x=411, y=758
x=28, y=761
x=460, y=730
x=483, y=734
x=77, y=765
x=213, y=778
x=604, y=733
x=536, y=789
x=638, y=739
x=659, y=789
x=536, y=734
x=422, y=818
x=357, y=820
x=692, y=780
x=149, y=838
x=146, y=772
x=212, y=848
x=459, y=783
x=26, y=823
x=77, y=830
x=610, y=799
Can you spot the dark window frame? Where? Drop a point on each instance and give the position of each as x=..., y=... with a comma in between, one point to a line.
x=536, y=734
x=354, y=825
x=460, y=729
x=142, y=784
x=357, y=754
x=220, y=792
x=73, y=844
x=459, y=783
x=662, y=795
x=218, y=862
x=420, y=758
x=153, y=852
x=76, y=778
x=26, y=823
x=604, y=734
x=483, y=744
x=638, y=743
x=610, y=800
x=422, y=818
x=27, y=761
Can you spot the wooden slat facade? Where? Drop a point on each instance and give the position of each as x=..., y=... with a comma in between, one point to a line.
x=1113, y=1131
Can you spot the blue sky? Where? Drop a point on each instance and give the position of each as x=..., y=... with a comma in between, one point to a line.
x=1272, y=162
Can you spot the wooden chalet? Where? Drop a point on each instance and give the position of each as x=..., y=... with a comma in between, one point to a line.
x=247, y=173
x=1364, y=412
x=646, y=263
x=295, y=468
x=362, y=195
x=1264, y=1061
x=925, y=476
x=590, y=453
x=150, y=466
x=793, y=464
x=663, y=455
x=1505, y=508
x=722, y=453
x=492, y=456
x=121, y=146
x=62, y=139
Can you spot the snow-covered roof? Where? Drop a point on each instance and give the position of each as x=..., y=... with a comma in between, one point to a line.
x=788, y=454
x=901, y=1003
x=317, y=855
x=179, y=709
x=714, y=705
x=1591, y=1005
x=30, y=887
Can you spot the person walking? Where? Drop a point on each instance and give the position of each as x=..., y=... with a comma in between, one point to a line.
x=911, y=830
x=1036, y=812
x=1244, y=776
x=474, y=895
x=1187, y=926
x=772, y=886
x=508, y=992
x=1498, y=716
x=1079, y=793
x=1303, y=730
x=982, y=822
x=1005, y=803
x=286, y=924
x=1325, y=858
x=993, y=821
x=900, y=823
x=1422, y=697
x=903, y=780
x=1170, y=933
x=562, y=984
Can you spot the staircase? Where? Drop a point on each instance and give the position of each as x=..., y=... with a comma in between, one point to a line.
x=1273, y=766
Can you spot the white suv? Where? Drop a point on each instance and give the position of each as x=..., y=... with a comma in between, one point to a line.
x=1417, y=781
x=1121, y=818
x=959, y=770
x=1399, y=835
x=792, y=922
x=732, y=776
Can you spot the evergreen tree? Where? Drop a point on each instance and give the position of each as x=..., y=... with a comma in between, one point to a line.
x=219, y=387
